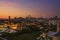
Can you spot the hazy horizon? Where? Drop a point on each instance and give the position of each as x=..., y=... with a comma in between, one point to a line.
x=35, y=8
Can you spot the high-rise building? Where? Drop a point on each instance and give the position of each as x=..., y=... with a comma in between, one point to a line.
x=9, y=20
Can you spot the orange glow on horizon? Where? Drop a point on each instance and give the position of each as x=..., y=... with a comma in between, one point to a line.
x=11, y=9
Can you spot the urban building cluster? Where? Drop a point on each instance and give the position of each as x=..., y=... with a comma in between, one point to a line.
x=31, y=24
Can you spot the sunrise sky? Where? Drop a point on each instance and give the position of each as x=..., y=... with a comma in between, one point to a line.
x=35, y=8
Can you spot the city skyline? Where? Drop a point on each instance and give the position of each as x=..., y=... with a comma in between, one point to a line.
x=35, y=8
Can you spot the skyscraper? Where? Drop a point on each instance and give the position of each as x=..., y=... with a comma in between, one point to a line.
x=9, y=20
